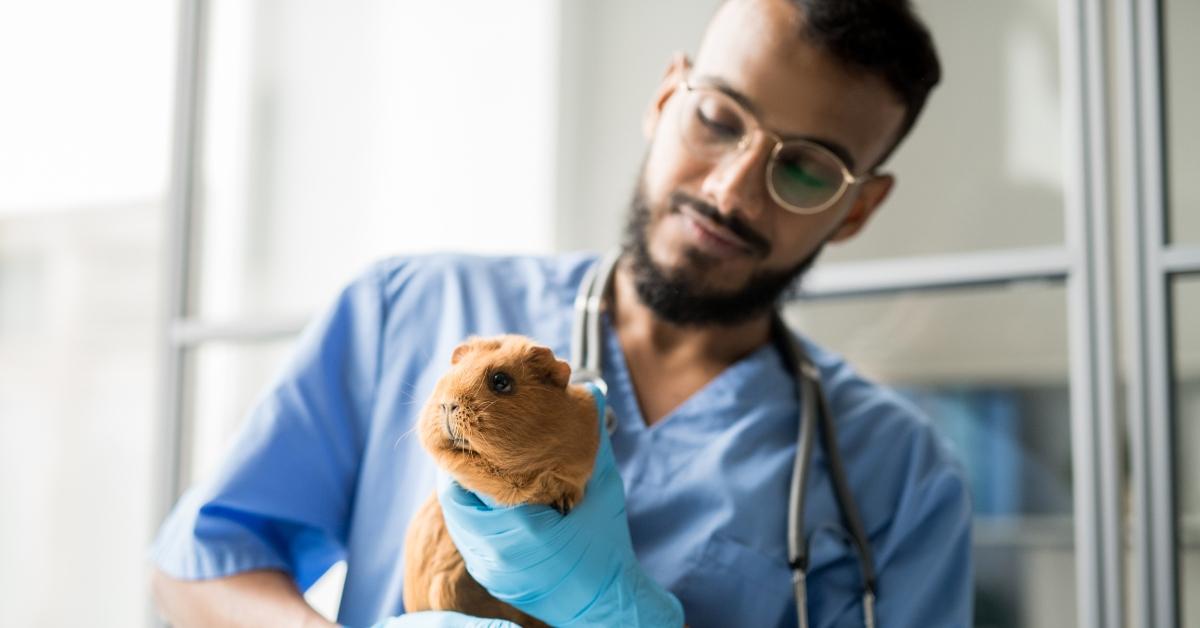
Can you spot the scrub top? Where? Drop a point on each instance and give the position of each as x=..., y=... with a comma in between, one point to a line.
x=326, y=466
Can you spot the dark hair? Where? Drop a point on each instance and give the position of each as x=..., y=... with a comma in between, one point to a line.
x=880, y=37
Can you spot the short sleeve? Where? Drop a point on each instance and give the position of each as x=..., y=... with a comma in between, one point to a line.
x=924, y=568
x=282, y=498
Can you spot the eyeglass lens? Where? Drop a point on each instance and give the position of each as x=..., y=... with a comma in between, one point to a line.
x=801, y=175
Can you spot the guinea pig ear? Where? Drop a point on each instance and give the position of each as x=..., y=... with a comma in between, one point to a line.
x=460, y=351
x=557, y=371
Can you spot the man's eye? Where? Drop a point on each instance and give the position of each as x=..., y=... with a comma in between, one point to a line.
x=502, y=383
x=722, y=129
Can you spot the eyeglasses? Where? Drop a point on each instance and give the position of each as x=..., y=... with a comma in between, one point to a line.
x=802, y=176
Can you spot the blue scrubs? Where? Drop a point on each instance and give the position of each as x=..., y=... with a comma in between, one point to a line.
x=326, y=466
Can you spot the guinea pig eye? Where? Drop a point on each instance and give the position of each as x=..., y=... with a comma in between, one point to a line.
x=501, y=382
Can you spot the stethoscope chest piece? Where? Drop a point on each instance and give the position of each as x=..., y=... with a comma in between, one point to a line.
x=586, y=376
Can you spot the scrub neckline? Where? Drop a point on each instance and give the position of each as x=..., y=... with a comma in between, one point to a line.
x=616, y=372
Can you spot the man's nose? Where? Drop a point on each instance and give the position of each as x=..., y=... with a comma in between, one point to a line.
x=737, y=181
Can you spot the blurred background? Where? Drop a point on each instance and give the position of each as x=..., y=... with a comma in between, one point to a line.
x=328, y=134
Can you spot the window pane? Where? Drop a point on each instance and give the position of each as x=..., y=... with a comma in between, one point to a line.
x=1180, y=24
x=1187, y=438
x=990, y=369
x=983, y=167
x=330, y=140
x=85, y=121
x=86, y=115
x=80, y=348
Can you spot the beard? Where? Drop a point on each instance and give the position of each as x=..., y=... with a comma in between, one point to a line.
x=679, y=297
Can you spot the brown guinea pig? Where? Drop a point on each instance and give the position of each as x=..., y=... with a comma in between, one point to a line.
x=503, y=422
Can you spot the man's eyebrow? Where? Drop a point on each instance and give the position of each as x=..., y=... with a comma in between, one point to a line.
x=724, y=87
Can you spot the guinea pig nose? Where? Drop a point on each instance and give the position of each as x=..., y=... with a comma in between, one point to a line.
x=447, y=420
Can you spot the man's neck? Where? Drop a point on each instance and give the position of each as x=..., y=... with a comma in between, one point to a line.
x=643, y=332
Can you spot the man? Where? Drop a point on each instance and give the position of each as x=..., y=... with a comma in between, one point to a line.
x=761, y=151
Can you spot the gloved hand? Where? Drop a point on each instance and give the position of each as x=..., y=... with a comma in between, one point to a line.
x=442, y=619
x=572, y=570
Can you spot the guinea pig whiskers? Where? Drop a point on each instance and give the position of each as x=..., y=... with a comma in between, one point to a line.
x=405, y=435
x=459, y=441
x=486, y=405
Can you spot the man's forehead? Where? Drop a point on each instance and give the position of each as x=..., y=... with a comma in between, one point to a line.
x=768, y=21
x=756, y=48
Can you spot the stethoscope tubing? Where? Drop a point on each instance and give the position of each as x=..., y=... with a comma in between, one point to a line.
x=586, y=352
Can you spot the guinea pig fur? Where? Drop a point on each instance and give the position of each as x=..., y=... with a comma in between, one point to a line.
x=504, y=422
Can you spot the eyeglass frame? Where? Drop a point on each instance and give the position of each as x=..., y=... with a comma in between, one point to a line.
x=849, y=179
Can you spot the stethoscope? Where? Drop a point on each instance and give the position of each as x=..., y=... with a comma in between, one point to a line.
x=586, y=350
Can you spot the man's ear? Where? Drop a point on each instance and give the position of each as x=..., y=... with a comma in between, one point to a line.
x=676, y=71
x=871, y=195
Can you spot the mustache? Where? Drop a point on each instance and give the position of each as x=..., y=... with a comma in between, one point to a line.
x=758, y=244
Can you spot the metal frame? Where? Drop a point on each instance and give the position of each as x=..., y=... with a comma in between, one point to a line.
x=1148, y=316
x=190, y=332
x=1178, y=259
x=185, y=150
x=936, y=272
x=1092, y=339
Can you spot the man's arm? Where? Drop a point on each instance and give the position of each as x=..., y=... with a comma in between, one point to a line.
x=281, y=501
x=253, y=598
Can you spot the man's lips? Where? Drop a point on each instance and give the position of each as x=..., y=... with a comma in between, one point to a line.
x=714, y=230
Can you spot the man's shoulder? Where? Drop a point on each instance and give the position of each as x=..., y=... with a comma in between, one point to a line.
x=481, y=274
x=882, y=420
x=434, y=301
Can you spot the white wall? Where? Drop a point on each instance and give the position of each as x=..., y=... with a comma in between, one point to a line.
x=334, y=141
x=613, y=55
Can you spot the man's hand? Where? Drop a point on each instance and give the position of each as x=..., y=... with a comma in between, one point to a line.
x=572, y=570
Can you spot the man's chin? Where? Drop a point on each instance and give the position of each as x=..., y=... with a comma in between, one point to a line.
x=706, y=281
x=690, y=292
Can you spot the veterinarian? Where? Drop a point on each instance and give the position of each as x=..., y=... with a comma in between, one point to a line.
x=765, y=147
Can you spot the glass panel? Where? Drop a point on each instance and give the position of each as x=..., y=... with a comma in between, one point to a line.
x=990, y=369
x=85, y=120
x=331, y=140
x=80, y=350
x=1187, y=438
x=983, y=168
x=1180, y=24
x=87, y=90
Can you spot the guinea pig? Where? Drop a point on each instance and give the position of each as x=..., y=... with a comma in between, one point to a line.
x=504, y=422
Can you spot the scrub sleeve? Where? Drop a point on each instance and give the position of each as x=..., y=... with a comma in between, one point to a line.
x=282, y=497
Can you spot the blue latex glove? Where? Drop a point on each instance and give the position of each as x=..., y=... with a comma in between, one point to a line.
x=572, y=570
x=442, y=619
